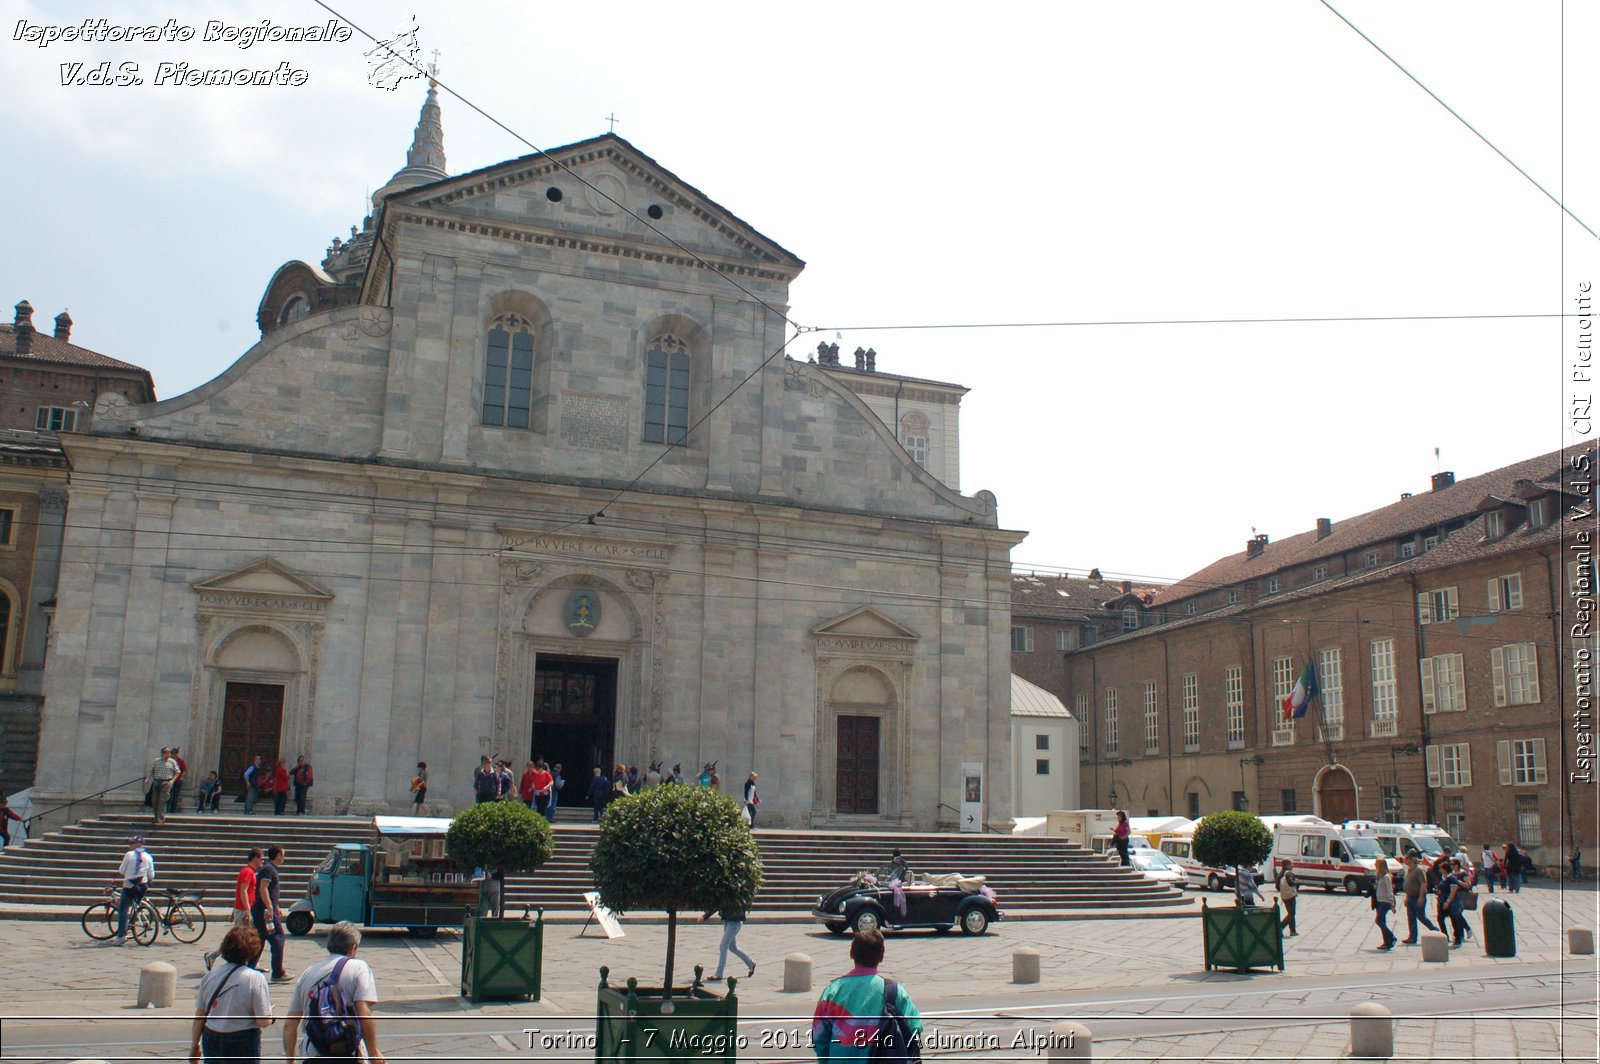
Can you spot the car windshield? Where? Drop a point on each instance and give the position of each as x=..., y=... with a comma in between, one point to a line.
x=1364, y=847
x=1150, y=859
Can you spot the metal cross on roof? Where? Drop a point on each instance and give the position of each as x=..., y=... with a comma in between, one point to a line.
x=612, y=118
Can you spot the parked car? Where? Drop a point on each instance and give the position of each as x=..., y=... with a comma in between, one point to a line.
x=942, y=902
x=1158, y=866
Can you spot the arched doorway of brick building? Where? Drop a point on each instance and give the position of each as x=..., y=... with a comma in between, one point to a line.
x=1336, y=794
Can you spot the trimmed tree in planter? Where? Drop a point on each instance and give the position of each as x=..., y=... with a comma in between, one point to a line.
x=1245, y=936
x=500, y=958
x=674, y=849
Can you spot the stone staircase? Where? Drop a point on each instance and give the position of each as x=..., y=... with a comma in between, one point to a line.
x=68, y=868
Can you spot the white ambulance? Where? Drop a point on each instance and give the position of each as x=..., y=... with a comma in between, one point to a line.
x=1327, y=855
x=1429, y=840
x=1179, y=846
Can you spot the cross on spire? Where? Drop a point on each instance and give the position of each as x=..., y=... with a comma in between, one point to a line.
x=433, y=70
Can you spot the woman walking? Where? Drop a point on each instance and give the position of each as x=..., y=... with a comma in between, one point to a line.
x=732, y=924
x=1289, y=894
x=232, y=1004
x=1511, y=864
x=1383, y=902
x=1119, y=836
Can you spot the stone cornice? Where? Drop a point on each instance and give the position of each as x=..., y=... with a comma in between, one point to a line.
x=889, y=388
x=504, y=230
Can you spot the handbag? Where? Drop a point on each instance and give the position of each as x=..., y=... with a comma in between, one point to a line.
x=1469, y=900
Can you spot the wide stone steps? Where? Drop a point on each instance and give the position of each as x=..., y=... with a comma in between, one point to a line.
x=202, y=853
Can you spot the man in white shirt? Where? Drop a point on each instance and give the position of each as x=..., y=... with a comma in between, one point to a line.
x=137, y=871
x=356, y=987
x=158, y=782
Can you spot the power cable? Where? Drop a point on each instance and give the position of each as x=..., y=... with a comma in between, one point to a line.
x=1455, y=114
x=1181, y=321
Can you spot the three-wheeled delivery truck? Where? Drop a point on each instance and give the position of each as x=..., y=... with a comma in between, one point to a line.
x=401, y=878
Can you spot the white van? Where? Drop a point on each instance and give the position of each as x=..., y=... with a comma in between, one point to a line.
x=1327, y=855
x=1396, y=840
x=1179, y=847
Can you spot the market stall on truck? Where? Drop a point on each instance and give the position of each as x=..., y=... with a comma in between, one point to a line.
x=401, y=878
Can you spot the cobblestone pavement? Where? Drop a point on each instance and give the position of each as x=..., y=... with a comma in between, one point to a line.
x=1138, y=984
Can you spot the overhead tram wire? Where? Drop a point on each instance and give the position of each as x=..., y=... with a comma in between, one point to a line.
x=1457, y=116
x=1182, y=321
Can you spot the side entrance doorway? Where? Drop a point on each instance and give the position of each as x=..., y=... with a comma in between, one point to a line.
x=252, y=722
x=856, y=781
x=574, y=720
x=1336, y=794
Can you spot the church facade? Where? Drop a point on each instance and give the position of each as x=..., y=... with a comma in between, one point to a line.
x=523, y=469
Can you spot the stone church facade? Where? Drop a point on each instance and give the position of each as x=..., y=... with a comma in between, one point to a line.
x=513, y=472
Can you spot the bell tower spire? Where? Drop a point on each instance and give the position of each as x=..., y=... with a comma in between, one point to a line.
x=425, y=158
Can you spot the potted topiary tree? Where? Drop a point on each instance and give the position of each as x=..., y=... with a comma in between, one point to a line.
x=677, y=849
x=500, y=958
x=1245, y=936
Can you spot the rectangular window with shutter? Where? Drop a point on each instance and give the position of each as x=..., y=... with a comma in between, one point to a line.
x=1437, y=606
x=1514, y=671
x=1505, y=593
x=1111, y=720
x=1080, y=708
x=1283, y=678
x=1191, y=711
x=1521, y=762
x=1443, y=686
x=1449, y=765
x=1152, y=719
x=1330, y=678
x=1385, y=704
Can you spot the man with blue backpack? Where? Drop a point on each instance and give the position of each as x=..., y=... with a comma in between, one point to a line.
x=331, y=1007
x=864, y=1016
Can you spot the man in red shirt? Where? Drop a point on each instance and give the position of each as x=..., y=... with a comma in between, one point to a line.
x=244, y=893
x=543, y=783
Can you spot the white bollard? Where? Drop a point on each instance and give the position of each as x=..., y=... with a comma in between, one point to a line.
x=1371, y=1031
x=1068, y=1041
x=1436, y=948
x=1580, y=940
x=158, y=985
x=1025, y=965
x=796, y=973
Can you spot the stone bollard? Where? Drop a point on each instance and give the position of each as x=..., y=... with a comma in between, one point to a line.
x=158, y=985
x=1436, y=948
x=1068, y=1041
x=1371, y=1031
x=796, y=973
x=1580, y=940
x=1025, y=965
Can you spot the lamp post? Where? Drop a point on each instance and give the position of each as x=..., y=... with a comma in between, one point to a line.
x=1406, y=750
x=1255, y=761
x=1120, y=762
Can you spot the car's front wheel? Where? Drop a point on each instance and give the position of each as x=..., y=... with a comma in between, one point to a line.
x=837, y=927
x=865, y=920
x=974, y=921
x=1213, y=883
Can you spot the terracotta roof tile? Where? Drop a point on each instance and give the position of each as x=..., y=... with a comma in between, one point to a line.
x=47, y=348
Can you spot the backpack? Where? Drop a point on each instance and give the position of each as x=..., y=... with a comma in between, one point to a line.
x=897, y=1040
x=330, y=1028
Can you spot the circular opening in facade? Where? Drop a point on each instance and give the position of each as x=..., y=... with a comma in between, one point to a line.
x=655, y=210
x=553, y=194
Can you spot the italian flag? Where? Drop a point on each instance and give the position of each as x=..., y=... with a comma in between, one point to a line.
x=1305, y=689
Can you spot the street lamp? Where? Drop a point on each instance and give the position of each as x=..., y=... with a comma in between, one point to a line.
x=1255, y=761
x=1119, y=762
x=1406, y=750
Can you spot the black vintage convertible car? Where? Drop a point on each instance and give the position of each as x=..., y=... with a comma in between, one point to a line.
x=942, y=902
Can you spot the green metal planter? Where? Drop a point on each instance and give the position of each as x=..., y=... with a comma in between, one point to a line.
x=502, y=959
x=1242, y=938
x=635, y=1024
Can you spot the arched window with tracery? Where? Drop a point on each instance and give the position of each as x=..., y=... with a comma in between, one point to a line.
x=666, y=391
x=914, y=437
x=508, y=372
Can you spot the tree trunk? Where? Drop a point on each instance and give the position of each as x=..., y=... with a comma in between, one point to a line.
x=672, y=945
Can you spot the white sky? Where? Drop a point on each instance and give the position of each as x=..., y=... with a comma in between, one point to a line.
x=937, y=163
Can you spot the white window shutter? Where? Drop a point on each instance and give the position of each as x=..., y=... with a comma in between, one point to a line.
x=1497, y=670
x=1465, y=753
x=1424, y=609
x=1494, y=595
x=1458, y=672
x=1541, y=774
x=1430, y=703
x=1532, y=685
x=1502, y=754
x=1514, y=591
x=1431, y=756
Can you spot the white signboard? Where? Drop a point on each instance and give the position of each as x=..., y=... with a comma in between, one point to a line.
x=605, y=917
x=971, y=796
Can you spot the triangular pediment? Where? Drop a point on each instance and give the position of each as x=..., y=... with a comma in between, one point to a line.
x=588, y=189
x=267, y=578
x=864, y=622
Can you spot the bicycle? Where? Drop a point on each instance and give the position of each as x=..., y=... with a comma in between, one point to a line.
x=100, y=918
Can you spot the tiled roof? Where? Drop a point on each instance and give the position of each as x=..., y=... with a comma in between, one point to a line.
x=1422, y=512
x=47, y=348
x=26, y=443
x=1064, y=598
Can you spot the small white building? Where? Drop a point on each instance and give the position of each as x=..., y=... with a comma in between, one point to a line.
x=1044, y=750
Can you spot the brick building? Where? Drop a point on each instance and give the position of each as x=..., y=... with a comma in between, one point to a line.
x=48, y=383
x=1450, y=636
